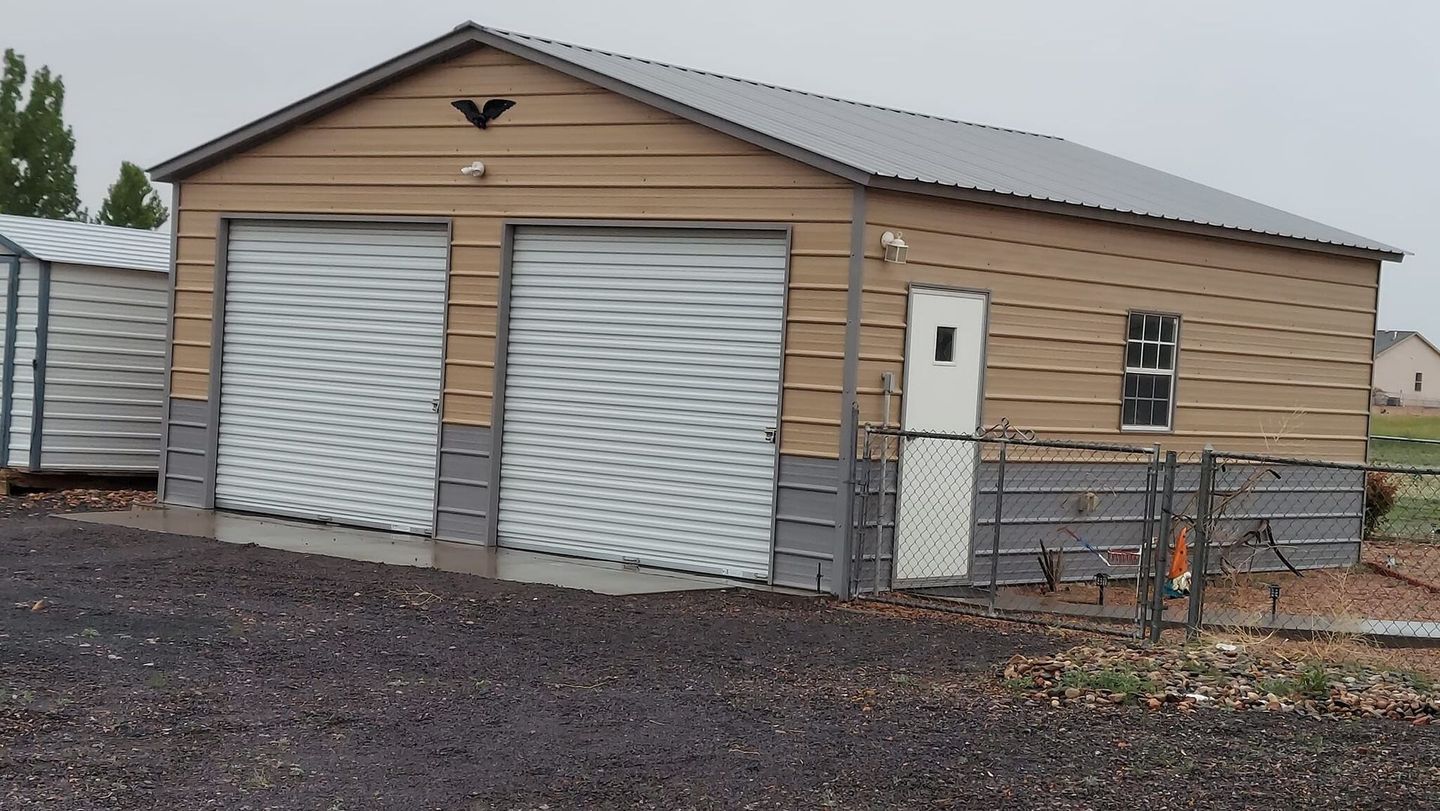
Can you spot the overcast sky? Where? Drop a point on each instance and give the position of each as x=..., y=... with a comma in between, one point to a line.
x=1327, y=108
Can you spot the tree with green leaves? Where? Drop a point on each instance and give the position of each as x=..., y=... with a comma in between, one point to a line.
x=37, y=149
x=132, y=202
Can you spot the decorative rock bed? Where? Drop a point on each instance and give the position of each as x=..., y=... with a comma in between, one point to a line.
x=1222, y=675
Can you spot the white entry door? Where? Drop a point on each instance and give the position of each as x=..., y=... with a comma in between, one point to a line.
x=330, y=371
x=944, y=364
x=642, y=389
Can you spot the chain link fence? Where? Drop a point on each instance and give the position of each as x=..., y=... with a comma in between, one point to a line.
x=1311, y=546
x=1012, y=526
x=1131, y=540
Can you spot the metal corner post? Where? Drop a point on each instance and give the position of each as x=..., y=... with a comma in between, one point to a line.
x=7, y=392
x=1162, y=548
x=1200, y=548
x=42, y=344
x=999, y=522
x=840, y=576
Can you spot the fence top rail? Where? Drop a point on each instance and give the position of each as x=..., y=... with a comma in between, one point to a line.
x=1415, y=439
x=1221, y=456
x=883, y=430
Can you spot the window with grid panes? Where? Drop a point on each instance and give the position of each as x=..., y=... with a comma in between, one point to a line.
x=1150, y=351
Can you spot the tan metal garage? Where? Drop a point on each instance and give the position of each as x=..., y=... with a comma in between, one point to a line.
x=636, y=271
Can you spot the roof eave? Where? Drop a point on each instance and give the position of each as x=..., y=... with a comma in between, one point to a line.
x=312, y=106
x=463, y=37
x=1127, y=218
x=15, y=248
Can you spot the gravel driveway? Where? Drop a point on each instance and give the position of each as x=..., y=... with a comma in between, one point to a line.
x=168, y=672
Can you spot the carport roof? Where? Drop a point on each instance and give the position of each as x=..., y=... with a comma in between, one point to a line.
x=872, y=145
x=83, y=243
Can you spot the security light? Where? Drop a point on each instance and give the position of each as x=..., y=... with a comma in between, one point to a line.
x=895, y=247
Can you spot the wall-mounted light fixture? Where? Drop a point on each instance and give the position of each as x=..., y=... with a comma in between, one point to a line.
x=475, y=169
x=895, y=247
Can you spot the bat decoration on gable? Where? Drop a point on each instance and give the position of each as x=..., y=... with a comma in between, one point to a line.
x=480, y=116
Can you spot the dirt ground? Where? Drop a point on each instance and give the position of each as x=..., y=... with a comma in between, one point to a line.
x=1354, y=591
x=166, y=672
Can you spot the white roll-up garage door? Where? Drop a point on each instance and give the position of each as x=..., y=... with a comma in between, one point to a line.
x=330, y=372
x=643, y=373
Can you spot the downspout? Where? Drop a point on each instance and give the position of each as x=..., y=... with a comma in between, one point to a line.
x=841, y=572
x=7, y=371
x=42, y=345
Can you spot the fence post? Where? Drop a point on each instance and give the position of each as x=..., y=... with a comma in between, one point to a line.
x=1199, y=556
x=887, y=510
x=1143, y=583
x=999, y=520
x=860, y=526
x=1162, y=548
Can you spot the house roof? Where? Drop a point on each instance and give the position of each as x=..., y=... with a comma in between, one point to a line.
x=877, y=146
x=83, y=243
x=1386, y=339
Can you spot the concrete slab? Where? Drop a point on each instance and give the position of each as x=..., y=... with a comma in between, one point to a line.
x=408, y=550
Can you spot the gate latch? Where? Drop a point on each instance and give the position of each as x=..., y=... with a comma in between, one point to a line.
x=435, y=406
x=770, y=434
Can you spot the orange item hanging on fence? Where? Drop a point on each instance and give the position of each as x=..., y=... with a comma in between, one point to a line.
x=1180, y=559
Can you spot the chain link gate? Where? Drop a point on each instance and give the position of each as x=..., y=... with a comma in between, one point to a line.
x=1059, y=532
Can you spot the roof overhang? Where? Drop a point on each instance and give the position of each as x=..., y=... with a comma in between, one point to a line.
x=470, y=35
x=15, y=248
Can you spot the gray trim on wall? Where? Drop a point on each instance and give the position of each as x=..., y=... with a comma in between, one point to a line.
x=854, y=297
x=7, y=391
x=42, y=343
x=217, y=351
x=169, y=342
x=462, y=492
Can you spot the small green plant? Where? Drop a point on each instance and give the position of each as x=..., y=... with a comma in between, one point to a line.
x=1314, y=680
x=89, y=633
x=1111, y=680
x=1280, y=687
x=1019, y=684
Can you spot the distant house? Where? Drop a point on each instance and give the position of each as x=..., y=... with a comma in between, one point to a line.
x=1407, y=369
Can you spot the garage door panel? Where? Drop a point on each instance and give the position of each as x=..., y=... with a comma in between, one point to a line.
x=331, y=371
x=643, y=370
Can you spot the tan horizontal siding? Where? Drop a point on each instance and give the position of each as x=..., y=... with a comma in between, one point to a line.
x=1275, y=342
x=566, y=150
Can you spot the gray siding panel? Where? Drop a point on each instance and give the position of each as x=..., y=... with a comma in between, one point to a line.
x=805, y=522
x=22, y=396
x=186, y=437
x=1314, y=515
x=104, y=375
x=464, y=488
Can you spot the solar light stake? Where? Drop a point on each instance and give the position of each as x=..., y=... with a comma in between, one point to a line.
x=1274, y=598
x=1101, y=581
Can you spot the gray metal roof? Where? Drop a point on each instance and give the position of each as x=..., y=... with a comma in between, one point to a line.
x=873, y=145
x=1386, y=338
x=83, y=243
x=927, y=149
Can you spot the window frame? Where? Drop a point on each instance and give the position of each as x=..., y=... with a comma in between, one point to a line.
x=1419, y=381
x=1126, y=370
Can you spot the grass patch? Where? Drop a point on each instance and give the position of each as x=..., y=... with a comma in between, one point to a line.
x=1110, y=680
x=1415, y=426
x=1019, y=684
x=1313, y=681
